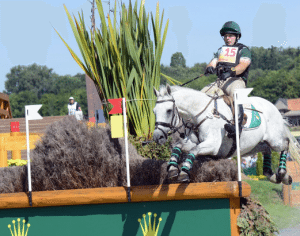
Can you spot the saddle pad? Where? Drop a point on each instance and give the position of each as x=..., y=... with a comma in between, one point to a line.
x=253, y=117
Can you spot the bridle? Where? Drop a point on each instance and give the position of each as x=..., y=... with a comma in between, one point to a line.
x=170, y=125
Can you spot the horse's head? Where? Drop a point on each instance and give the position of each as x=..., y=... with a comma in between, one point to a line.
x=166, y=114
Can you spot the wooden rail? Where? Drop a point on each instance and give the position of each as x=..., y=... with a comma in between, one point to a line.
x=119, y=195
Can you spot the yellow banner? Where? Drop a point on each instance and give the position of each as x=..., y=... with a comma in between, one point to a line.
x=116, y=124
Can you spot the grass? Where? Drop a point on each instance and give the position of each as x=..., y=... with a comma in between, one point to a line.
x=270, y=196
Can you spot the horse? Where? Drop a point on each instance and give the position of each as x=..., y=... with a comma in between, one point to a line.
x=204, y=117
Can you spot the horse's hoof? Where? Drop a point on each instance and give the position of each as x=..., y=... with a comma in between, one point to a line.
x=275, y=179
x=183, y=177
x=281, y=173
x=287, y=179
x=173, y=172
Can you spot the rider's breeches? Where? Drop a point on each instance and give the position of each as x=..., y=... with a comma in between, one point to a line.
x=175, y=156
x=225, y=87
x=231, y=84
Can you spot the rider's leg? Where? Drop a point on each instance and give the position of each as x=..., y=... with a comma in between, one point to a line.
x=172, y=168
x=230, y=128
x=211, y=89
x=229, y=86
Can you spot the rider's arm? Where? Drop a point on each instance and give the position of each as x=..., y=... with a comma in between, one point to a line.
x=242, y=66
x=213, y=63
x=245, y=61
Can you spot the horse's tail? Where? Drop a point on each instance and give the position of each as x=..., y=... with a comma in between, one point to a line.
x=287, y=123
x=294, y=147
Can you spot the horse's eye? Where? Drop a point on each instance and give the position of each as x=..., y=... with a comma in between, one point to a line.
x=169, y=111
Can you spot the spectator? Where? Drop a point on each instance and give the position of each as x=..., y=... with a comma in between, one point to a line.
x=73, y=106
x=244, y=164
x=253, y=161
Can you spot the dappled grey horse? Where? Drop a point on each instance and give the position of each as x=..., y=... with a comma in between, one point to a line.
x=204, y=118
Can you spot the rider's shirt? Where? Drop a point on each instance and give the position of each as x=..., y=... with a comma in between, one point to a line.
x=231, y=56
x=72, y=108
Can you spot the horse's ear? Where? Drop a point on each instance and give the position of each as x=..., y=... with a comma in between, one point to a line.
x=168, y=89
x=155, y=92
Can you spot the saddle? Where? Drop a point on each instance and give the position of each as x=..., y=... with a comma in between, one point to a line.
x=229, y=101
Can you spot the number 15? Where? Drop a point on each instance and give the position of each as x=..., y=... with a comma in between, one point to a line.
x=232, y=52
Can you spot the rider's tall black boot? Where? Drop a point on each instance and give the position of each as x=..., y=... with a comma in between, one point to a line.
x=230, y=128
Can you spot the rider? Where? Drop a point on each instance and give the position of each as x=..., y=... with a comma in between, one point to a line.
x=231, y=64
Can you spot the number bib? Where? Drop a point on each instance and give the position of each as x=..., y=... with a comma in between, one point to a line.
x=228, y=54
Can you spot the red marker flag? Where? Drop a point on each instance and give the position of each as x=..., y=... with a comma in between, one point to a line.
x=117, y=106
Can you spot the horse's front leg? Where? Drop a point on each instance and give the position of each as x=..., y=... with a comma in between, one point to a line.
x=183, y=145
x=210, y=146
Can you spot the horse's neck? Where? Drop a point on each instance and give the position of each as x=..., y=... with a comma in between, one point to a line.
x=190, y=103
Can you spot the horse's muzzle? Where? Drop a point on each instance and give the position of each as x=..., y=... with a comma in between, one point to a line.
x=159, y=137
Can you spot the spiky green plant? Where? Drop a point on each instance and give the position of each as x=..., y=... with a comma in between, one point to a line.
x=123, y=60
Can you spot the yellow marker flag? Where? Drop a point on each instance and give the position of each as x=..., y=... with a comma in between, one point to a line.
x=116, y=124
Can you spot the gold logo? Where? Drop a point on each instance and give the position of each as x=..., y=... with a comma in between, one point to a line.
x=150, y=230
x=19, y=228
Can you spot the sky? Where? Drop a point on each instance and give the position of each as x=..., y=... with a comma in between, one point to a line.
x=27, y=32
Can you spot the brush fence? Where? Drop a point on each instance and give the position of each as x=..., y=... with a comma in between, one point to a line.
x=181, y=209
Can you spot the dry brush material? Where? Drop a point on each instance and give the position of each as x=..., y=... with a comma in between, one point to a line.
x=71, y=156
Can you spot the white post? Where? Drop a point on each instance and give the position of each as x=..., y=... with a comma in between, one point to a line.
x=28, y=154
x=237, y=136
x=31, y=113
x=240, y=97
x=126, y=148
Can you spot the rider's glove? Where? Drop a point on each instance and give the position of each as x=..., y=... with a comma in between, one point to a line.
x=227, y=72
x=209, y=70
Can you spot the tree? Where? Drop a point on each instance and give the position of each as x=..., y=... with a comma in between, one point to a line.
x=259, y=164
x=177, y=60
x=18, y=101
x=34, y=78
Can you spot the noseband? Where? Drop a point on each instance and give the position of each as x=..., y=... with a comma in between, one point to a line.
x=168, y=125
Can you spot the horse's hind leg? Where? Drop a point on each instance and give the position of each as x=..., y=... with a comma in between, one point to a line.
x=281, y=175
x=267, y=166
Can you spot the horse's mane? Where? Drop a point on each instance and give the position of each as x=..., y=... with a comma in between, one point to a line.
x=175, y=88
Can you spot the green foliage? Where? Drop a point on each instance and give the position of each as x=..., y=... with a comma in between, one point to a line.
x=255, y=220
x=123, y=60
x=17, y=162
x=34, y=78
x=274, y=73
x=259, y=164
x=178, y=60
x=151, y=150
x=34, y=84
x=275, y=160
x=18, y=101
x=183, y=75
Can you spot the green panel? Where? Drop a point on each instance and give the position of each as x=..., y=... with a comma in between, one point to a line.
x=249, y=171
x=182, y=218
x=296, y=186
